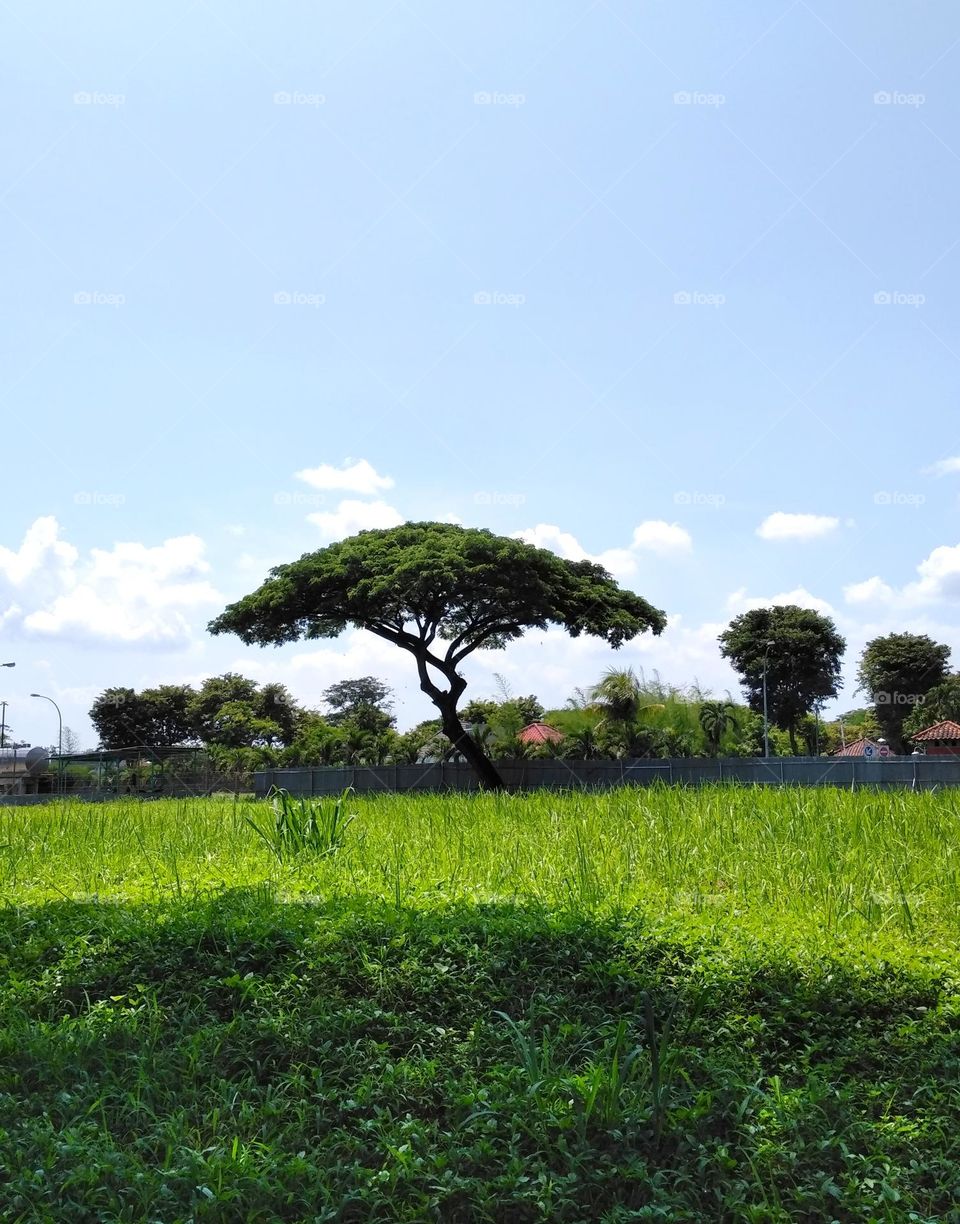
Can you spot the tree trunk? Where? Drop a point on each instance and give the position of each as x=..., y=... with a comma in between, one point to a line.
x=453, y=729
x=481, y=764
x=793, y=739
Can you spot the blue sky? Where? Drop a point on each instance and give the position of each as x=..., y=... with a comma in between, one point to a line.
x=672, y=285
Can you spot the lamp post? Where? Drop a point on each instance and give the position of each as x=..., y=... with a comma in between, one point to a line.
x=3, y=713
x=766, y=722
x=59, y=738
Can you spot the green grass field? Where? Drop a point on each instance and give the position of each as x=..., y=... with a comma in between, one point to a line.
x=717, y=1004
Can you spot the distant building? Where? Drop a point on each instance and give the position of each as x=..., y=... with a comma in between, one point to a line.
x=857, y=746
x=942, y=739
x=540, y=733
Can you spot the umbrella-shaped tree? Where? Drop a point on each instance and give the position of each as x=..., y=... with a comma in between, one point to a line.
x=438, y=591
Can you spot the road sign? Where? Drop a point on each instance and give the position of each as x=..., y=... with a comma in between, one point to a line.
x=869, y=751
x=884, y=750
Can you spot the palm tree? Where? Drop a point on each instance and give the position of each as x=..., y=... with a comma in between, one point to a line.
x=359, y=747
x=582, y=745
x=715, y=718
x=618, y=695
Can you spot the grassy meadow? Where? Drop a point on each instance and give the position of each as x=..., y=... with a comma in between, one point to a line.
x=644, y=1004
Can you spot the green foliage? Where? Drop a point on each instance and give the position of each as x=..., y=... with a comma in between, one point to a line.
x=716, y=717
x=303, y=826
x=228, y=711
x=124, y=718
x=472, y=588
x=439, y=591
x=897, y=671
x=347, y=696
x=618, y=694
x=941, y=702
x=802, y=650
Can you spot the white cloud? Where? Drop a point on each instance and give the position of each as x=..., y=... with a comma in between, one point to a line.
x=131, y=593
x=360, y=477
x=41, y=551
x=352, y=516
x=939, y=581
x=619, y=561
x=665, y=539
x=781, y=526
x=939, y=576
x=739, y=601
x=872, y=590
x=943, y=467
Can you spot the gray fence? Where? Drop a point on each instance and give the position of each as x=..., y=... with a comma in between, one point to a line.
x=911, y=773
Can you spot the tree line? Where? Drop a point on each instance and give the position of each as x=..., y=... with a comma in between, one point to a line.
x=623, y=715
x=440, y=591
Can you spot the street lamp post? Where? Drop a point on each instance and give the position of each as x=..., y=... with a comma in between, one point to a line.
x=766, y=723
x=59, y=738
x=3, y=713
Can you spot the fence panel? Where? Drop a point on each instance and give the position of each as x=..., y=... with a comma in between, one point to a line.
x=916, y=773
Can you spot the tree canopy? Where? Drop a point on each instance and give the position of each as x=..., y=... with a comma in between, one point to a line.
x=802, y=650
x=439, y=591
x=228, y=710
x=364, y=703
x=940, y=703
x=897, y=671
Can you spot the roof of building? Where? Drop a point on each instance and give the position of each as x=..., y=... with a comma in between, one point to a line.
x=946, y=730
x=540, y=733
x=855, y=747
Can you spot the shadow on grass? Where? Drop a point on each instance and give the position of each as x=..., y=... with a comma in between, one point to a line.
x=233, y=1055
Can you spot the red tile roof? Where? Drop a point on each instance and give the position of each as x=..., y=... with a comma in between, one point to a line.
x=946, y=730
x=856, y=747
x=540, y=733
